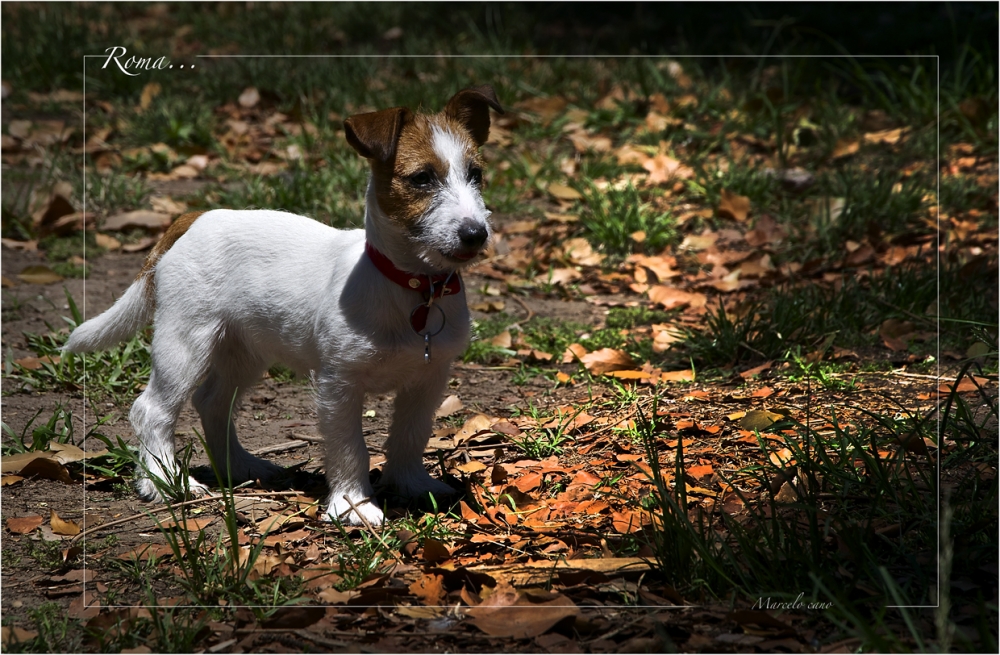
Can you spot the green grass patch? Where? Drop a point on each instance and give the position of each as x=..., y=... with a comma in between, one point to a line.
x=612, y=216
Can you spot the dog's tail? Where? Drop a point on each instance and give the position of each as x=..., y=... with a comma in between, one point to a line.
x=134, y=310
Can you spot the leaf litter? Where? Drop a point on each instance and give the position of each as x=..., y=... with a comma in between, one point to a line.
x=536, y=538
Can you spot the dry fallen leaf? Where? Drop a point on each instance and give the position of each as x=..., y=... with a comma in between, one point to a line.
x=605, y=360
x=664, y=168
x=684, y=375
x=143, y=218
x=449, y=406
x=734, y=206
x=60, y=526
x=24, y=524
x=759, y=419
x=149, y=92
x=563, y=192
x=672, y=298
x=39, y=274
x=507, y=613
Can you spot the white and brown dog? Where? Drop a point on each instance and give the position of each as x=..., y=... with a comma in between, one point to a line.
x=231, y=292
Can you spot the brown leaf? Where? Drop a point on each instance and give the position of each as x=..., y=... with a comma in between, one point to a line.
x=35, y=363
x=964, y=386
x=473, y=426
x=140, y=245
x=502, y=340
x=10, y=479
x=782, y=458
x=12, y=635
x=563, y=192
x=580, y=252
x=759, y=419
x=39, y=274
x=766, y=231
x=672, y=298
x=46, y=468
x=506, y=613
x=734, y=206
x=449, y=406
x=896, y=333
x=429, y=589
x=757, y=370
x=845, y=148
x=149, y=92
x=435, y=551
x=606, y=359
x=24, y=524
x=107, y=242
x=546, y=108
x=143, y=218
x=885, y=136
x=684, y=375
x=59, y=526
x=191, y=524
x=664, y=168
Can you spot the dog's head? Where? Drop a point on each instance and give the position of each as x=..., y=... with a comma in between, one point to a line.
x=427, y=174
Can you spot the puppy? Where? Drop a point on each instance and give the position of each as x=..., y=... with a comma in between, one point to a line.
x=232, y=292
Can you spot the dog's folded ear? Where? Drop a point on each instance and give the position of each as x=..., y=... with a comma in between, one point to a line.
x=375, y=135
x=471, y=108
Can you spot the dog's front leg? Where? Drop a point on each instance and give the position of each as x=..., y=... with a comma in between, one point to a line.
x=412, y=421
x=347, y=464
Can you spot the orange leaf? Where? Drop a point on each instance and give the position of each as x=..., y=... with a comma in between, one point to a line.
x=700, y=471
x=573, y=351
x=678, y=376
x=468, y=513
x=756, y=370
x=762, y=393
x=429, y=589
x=526, y=483
x=734, y=206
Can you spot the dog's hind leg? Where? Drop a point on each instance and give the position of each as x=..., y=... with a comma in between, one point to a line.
x=412, y=422
x=180, y=357
x=233, y=372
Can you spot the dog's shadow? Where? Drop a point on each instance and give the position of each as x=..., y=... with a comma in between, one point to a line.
x=314, y=484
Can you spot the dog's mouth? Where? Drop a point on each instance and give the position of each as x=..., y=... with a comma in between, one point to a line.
x=461, y=255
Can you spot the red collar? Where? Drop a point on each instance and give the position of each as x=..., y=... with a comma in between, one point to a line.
x=444, y=284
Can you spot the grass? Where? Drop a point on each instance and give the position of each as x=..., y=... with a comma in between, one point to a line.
x=846, y=491
x=612, y=217
x=117, y=373
x=58, y=428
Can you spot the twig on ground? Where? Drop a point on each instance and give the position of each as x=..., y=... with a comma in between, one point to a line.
x=531, y=313
x=370, y=528
x=277, y=448
x=166, y=508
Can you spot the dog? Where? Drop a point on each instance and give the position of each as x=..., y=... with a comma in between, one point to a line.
x=232, y=292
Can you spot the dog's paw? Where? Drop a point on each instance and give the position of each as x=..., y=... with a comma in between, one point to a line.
x=152, y=492
x=338, y=509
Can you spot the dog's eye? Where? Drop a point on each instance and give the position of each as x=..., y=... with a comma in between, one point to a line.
x=476, y=175
x=421, y=179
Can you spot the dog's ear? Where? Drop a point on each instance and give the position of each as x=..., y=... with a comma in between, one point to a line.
x=471, y=108
x=375, y=135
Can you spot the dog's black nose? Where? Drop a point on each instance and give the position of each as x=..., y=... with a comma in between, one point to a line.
x=472, y=233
